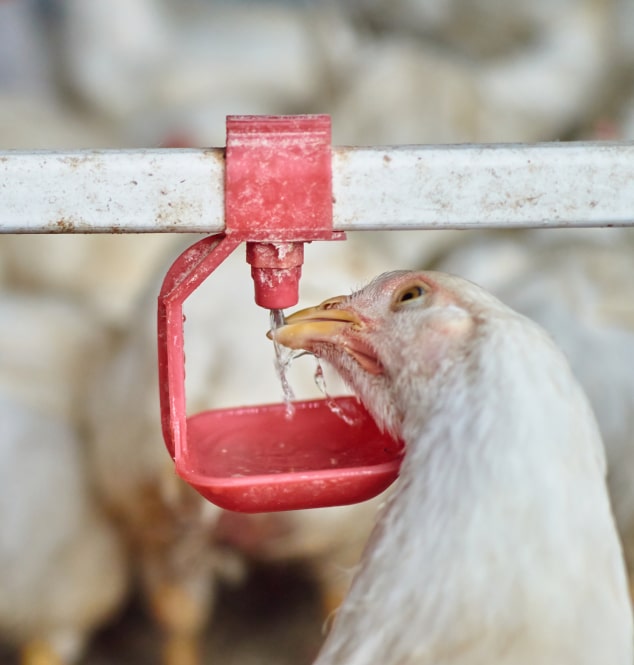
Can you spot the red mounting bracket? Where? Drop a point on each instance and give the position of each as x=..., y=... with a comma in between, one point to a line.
x=278, y=195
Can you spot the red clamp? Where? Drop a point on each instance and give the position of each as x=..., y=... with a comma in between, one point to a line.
x=278, y=195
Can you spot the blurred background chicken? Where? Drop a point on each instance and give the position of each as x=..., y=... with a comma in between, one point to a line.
x=63, y=566
x=166, y=72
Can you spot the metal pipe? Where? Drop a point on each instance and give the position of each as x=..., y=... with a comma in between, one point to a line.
x=405, y=187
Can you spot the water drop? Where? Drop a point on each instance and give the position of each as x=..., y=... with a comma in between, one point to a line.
x=331, y=402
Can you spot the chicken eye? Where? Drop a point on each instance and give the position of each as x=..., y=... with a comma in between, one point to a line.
x=412, y=292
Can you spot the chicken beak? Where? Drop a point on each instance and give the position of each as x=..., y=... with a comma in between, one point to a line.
x=324, y=324
x=313, y=325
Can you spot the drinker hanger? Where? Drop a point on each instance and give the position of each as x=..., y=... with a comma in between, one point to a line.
x=278, y=195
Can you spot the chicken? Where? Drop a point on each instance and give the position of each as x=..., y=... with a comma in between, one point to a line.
x=50, y=347
x=522, y=75
x=498, y=544
x=105, y=273
x=63, y=566
x=168, y=525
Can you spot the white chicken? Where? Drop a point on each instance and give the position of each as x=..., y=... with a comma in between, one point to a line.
x=168, y=525
x=498, y=544
x=521, y=75
x=63, y=567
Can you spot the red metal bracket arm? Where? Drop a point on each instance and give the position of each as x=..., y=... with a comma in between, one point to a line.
x=186, y=274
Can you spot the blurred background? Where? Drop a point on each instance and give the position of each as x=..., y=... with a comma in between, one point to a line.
x=105, y=557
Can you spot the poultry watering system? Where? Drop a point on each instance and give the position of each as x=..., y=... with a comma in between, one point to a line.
x=278, y=195
x=277, y=185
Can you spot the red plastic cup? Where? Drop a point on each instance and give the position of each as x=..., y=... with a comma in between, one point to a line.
x=256, y=459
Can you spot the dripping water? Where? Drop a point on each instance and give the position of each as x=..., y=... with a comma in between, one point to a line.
x=331, y=402
x=283, y=359
x=277, y=318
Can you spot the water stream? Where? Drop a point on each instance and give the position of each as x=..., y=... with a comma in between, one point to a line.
x=283, y=359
